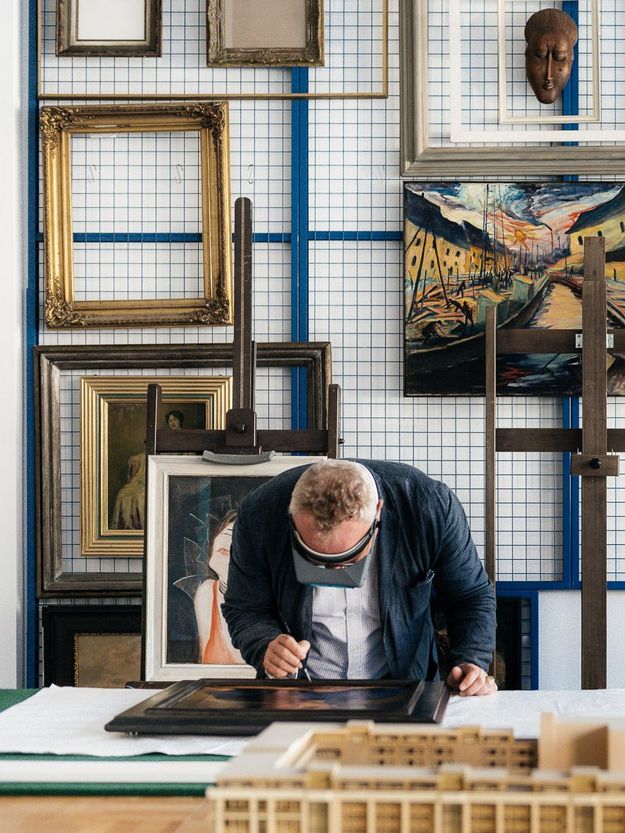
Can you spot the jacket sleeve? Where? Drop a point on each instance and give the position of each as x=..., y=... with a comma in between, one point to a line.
x=466, y=594
x=249, y=605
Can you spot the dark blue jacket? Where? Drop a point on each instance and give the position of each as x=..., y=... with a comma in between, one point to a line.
x=424, y=542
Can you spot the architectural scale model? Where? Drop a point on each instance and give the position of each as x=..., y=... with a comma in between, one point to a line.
x=362, y=778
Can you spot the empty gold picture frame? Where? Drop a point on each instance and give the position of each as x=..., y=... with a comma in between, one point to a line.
x=108, y=28
x=58, y=125
x=264, y=32
x=112, y=449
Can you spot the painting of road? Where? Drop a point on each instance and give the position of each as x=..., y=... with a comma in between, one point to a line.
x=517, y=247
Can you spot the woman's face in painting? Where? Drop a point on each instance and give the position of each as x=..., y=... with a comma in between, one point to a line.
x=173, y=422
x=220, y=552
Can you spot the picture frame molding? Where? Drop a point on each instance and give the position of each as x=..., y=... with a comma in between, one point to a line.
x=420, y=161
x=218, y=55
x=57, y=125
x=53, y=580
x=68, y=44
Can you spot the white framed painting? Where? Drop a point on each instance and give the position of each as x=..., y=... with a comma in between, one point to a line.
x=192, y=507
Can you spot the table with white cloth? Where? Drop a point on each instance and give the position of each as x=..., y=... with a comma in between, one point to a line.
x=54, y=742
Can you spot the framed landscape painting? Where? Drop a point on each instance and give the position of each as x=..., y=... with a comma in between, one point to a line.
x=517, y=247
x=113, y=431
x=191, y=511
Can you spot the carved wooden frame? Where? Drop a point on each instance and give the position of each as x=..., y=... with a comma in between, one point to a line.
x=58, y=124
x=53, y=578
x=68, y=42
x=219, y=55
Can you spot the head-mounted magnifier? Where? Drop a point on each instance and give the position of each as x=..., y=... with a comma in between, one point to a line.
x=331, y=570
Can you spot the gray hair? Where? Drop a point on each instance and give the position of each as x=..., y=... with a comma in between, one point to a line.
x=333, y=491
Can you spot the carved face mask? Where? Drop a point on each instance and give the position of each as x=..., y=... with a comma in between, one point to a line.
x=551, y=36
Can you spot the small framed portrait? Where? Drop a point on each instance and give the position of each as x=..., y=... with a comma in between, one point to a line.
x=91, y=645
x=108, y=28
x=113, y=431
x=265, y=32
x=192, y=507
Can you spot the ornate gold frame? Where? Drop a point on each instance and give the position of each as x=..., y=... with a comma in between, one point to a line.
x=97, y=393
x=218, y=55
x=57, y=125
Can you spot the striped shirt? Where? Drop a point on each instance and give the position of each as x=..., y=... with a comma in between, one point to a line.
x=347, y=631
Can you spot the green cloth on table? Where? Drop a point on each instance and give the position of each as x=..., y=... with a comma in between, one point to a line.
x=11, y=697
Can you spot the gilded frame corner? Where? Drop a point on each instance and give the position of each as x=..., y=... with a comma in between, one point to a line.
x=218, y=55
x=98, y=397
x=68, y=42
x=57, y=125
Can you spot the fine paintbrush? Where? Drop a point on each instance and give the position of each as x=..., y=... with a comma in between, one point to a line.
x=287, y=631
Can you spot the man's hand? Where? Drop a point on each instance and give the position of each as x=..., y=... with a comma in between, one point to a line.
x=470, y=680
x=284, y=656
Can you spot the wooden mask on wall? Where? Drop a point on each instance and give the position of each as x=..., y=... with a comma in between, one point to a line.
x=551, y=36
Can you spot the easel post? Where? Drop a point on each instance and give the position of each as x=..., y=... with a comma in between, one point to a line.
x=594, y=488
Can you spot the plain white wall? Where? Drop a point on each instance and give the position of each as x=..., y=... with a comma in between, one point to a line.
x=559, y=632
x=13, y=242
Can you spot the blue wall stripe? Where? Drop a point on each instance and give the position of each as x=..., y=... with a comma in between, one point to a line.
x=299, y=239
x=356, y=235
x=30, y=339
x=133, y=237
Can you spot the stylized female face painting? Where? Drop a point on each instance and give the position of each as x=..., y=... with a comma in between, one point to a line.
x=551, y=36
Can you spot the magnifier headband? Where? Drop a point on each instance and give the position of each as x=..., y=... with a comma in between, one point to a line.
x=322, y=559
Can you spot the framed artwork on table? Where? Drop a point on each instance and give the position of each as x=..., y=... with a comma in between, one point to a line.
x=515, y=246
x=113, y=431
x=91, y=645
x=93, y=155
x=108, y=28
x=191, y=511
x=61, y=569
x=222, y=707
x=265, y=32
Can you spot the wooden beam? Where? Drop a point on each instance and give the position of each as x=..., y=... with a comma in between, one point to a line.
x=594, y=489
x=244, y=368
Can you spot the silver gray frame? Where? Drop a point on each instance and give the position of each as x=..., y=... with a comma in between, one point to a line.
x=67, y=42
x=420, y=160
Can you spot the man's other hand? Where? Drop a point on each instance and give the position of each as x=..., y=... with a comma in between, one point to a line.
x=470, y=680
x=284, y=656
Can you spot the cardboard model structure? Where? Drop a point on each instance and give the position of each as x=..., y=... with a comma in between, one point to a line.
x=363, y=778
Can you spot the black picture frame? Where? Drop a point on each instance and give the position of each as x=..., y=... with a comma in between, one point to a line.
x=246, y=707
x=53, y=579
x=509, y=651
x=64, y=625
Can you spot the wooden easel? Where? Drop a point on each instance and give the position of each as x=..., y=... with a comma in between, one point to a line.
x=241, y=435
x=594, y=440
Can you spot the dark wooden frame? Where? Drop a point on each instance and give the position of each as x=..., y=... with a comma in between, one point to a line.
x=67, y=42
x=61, y=623
x=52, y=580
x=218, y=55
x=427, y=702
